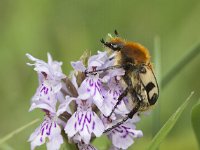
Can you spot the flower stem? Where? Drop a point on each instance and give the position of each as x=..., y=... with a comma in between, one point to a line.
x=157, y=55
x=10, y=135
x=195, y=50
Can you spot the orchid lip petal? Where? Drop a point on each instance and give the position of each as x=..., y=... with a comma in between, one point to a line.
x=48, y=129
x=123, y=136
x=84, y=122
x=78, y=65
x=52, y=68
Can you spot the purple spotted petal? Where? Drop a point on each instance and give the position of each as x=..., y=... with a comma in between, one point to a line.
x=52, y=69
x=123, y=136
x=84, y=123
x=97, y=60
x=91, y=88
x=46, y=97
x=48, y=129
x=111, y=98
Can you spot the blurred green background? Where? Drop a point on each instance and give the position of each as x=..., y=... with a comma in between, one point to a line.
x=66, y=28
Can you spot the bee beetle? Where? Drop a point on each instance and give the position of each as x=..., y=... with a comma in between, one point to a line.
x=139, y=77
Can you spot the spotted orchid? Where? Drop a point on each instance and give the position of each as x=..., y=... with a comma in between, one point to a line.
x=91, y=87
x=84, y=122
x=123, y=135
x=79, y=105
x=45, y=98
x=50, y=82
x=49, y=131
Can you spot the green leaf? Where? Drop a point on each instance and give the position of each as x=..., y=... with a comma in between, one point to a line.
x=157, y=67
x=195, y=118
x=157, y=59
x=195, y=50
x=10, y=135
x=6, y=147
x=159, y=137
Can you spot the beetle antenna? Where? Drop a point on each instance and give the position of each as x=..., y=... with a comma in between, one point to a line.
x=116, y=33
x=102, y=41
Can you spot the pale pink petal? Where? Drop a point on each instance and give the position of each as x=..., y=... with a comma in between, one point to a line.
x=97, y=126
x=73, y=80
x=86, y=135
x=49, y=57
x=55, y=140
x=72, y=127
x=91, y=88
x=42, y=105
x=84, y=123
x=52, y=69
x=123, y=136
x=78, y=66
x=50, y=130
x=64, y=106
x=98, y=99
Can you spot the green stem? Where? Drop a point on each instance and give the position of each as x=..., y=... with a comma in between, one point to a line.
x=157, y=60
x=10, y=135
x=180, y=65
x=167, y=127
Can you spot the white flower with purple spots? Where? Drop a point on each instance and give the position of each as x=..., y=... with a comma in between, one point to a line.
x=111, y=98
x=50, y=77
x=92, y=85
x=48, y=132
x=51, y=70
x=64, y=106
x=123, y=136
x=84, y=122
x=98, y=61
x=45, y=96
x=84, y=96
x=50, y=83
